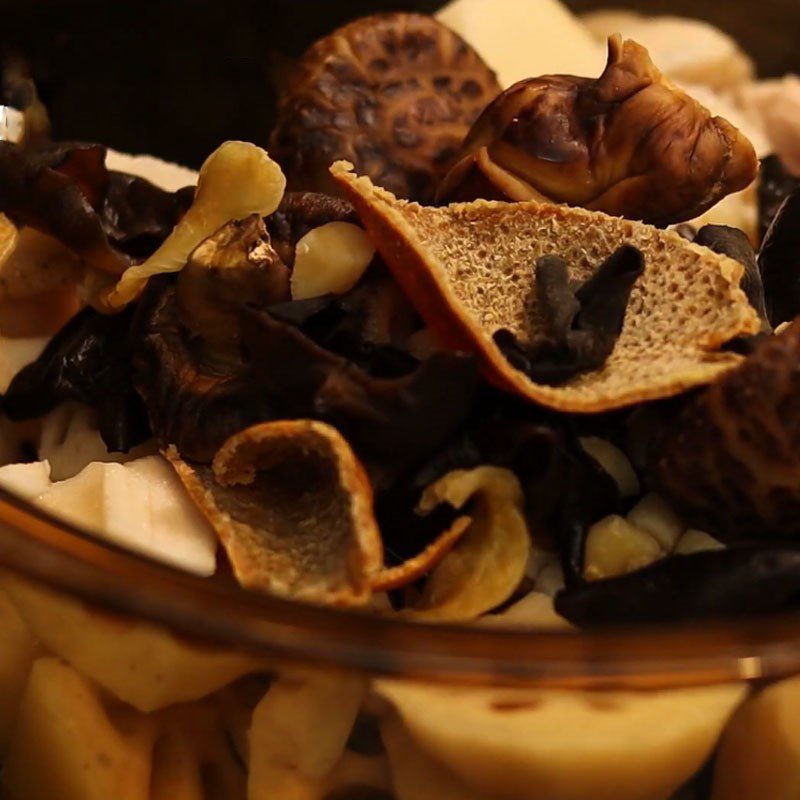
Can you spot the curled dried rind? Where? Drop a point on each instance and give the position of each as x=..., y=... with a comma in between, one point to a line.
x=394, y=93
x=629, y=143
x=731, y=461
x=259, y=186
x=292, y=507
x=485, y=568
x=468, y=270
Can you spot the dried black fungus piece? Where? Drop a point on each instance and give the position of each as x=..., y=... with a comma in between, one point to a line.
x=779, y=262
x=775, y=184
x=392, y=423
x=747, y=579
x=89, y=360
x=138, y=215
x=582, y=325
x=19, y=91
x=732, y=242
x=566, y=491
x=56, y=191
x=193, y=404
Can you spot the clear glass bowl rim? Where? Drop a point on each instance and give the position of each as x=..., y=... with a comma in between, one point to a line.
x=67, y=559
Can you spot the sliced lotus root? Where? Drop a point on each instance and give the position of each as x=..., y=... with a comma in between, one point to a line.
x=292, y=507
x=394, y=93
x=469, y=270
x=731, y=461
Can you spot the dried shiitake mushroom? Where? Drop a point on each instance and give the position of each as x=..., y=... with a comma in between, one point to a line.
x=731, y=461
x=628, y=143
x=393, y=93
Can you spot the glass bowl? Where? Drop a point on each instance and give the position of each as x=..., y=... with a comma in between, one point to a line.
x=313, y=703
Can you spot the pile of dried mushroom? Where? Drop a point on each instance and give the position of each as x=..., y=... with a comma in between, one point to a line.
x=459, y=358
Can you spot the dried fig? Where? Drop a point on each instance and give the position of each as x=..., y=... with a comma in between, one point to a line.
x=628, y=143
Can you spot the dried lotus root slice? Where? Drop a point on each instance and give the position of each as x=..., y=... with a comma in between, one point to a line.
x=292, y=507
x=394, y=93
x=469, y=270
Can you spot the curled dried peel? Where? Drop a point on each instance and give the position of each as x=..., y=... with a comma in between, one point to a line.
x=487, y=565
x=468, y=268
x=238, y=179
x=292, y=507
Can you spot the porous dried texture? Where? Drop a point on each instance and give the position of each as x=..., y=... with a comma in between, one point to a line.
x=731, y=461
x=469, y=269
x=394, y=93
x=292, y=507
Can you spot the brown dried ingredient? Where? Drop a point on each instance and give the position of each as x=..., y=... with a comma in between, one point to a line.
x=629, y=143
x=730, y=462
x=581, y=325
x=292, y=507
x=466, y=269
x=393, y=93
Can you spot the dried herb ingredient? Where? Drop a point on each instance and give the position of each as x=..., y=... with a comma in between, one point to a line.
x=89, y=360
x=582, y=324
x=746, y=579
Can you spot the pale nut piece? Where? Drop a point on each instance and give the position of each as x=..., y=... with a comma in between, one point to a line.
x=550, y=580
x=694, y=541
x=615, y=547
x=330, y=260
x=655, y=515
x=615, y=463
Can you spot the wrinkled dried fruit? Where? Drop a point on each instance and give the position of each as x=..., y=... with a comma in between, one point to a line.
x=330, y=259
x=629, y=143
x=779, y=262
x=467, y=270
x=703, y=585
x=259, y=186
x=730, y=462
x=485, y=568
x=393, y=93
x=89, y=360
x=292, y=507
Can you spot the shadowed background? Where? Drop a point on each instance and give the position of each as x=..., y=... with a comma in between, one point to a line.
x=177, y=78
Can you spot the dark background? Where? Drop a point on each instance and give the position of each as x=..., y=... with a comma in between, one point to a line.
x=175, y=78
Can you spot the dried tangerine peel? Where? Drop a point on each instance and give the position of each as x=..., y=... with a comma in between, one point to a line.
x=469, y=269
x=292, y=507
x=420, y=565
x=488, y=564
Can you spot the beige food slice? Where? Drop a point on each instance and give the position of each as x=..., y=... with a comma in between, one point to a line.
x=565, y=745
x=292, y=507
x=137, y=662
x=759, y=756
x=469, y=269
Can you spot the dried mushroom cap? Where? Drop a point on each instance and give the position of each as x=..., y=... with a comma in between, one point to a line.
x=292, y=507
x=393, y=93
x=629, y=143
x=468, y=268
x=236, y=264
x=731, y=461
